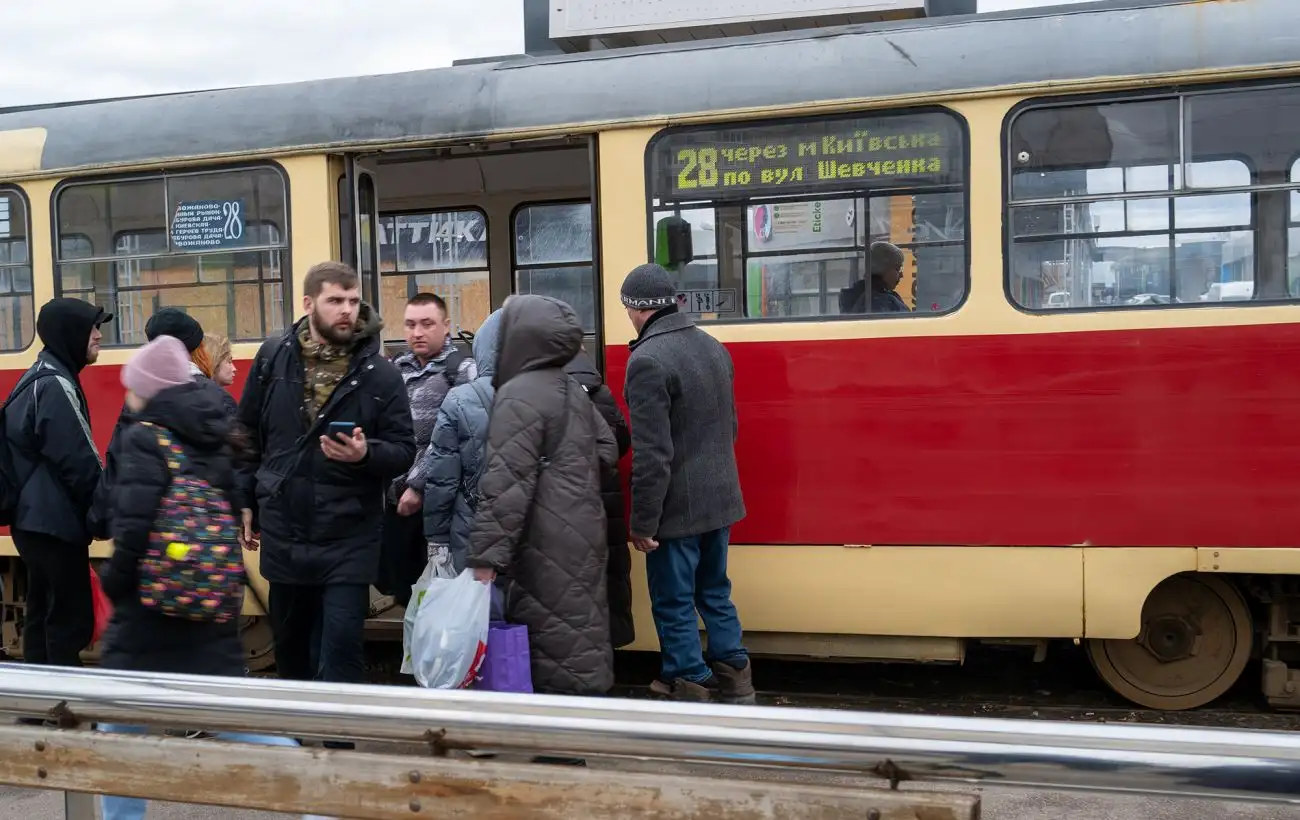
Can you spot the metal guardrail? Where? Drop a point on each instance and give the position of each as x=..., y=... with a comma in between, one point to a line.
x=1193, y=762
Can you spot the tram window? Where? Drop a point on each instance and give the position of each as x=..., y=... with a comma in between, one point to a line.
x=783, y=215
x=552, y=250
x=442, y=252
x=17, y=319
x=1100, y=215
x=212, y=243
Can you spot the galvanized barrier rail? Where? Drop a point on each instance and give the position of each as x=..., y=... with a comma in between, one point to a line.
x=1192, y=762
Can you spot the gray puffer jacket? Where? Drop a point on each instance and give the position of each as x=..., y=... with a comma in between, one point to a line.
x=540, y=520
x=454, y=457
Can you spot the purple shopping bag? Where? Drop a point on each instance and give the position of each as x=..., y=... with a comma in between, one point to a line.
x=506, y=666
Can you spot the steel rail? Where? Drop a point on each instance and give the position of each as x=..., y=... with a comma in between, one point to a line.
x=1251, y=765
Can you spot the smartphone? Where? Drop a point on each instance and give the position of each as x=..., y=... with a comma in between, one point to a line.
x=344, y=427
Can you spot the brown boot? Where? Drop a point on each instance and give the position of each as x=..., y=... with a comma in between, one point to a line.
x=735, y=685
x=684, y=690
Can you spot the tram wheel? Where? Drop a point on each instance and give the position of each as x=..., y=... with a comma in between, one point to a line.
x=259, y=643
x=1194, y=643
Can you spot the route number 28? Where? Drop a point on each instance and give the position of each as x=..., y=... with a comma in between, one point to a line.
x=699, y=168
x=234, y=226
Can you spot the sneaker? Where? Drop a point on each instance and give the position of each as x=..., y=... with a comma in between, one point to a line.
x=735, y=683
x=685, y=690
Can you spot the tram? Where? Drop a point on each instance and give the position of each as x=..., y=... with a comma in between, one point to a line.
x=1082, y=428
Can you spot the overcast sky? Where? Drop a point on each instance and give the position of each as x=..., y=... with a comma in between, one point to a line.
x=58, y=50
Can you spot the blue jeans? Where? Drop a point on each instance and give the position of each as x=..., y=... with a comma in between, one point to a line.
x=687, y=575
x=133, y=808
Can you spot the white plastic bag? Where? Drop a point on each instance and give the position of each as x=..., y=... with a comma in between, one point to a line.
x=450, y=635
x=438, y=566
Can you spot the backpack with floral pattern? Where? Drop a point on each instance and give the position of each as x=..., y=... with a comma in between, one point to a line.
x=194, y=565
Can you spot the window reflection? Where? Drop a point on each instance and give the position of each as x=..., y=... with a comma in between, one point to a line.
x=209, y=243
x=553, y=256
x=17, y=319
x=1090, y=224
x=442, y=252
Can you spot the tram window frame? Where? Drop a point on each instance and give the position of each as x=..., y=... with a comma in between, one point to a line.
x=412, y=275
x=657, y=207
x=1182, y=187
x=1293, y=229
x=25, y=315
x=274, y=313
x=590, y=324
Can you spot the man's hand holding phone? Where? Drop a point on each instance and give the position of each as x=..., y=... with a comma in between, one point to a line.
x=344, y=442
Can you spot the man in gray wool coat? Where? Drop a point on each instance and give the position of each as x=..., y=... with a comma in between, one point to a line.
x=685, y=490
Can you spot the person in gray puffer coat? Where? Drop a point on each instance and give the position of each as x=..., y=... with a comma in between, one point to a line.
x=454, y=458
x=540, y=520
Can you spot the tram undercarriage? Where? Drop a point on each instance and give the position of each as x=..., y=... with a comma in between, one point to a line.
x=1199, y=634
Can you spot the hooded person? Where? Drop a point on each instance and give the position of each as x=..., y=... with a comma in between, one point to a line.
x=175, y=419
x=56, y=467
x=178, y=324
x=454, y=458
x=540, y=520
x=622, y=628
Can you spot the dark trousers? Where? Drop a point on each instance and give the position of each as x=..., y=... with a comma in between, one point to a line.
x=320, y=631
x=320, y=634
x=402, y=554
x=60, y=617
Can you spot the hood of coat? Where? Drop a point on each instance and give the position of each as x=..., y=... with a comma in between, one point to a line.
x=64, y=326
x=487, y=345
x=537, y=332
x=195, y=412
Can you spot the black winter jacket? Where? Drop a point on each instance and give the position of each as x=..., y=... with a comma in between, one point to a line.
x=622, y=630
x=320, y=519
x=139, y=639
x=101, y=514
x=47, y=425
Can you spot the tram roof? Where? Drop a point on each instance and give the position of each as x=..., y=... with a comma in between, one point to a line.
x=656, y=83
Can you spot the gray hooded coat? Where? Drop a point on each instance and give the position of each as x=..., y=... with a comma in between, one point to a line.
x=541, y=521
x=454, y=458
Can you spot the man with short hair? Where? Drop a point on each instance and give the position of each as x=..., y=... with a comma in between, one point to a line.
x=886, y=271
x=685, y=490
x=55, y=469
x=430, y=367
x=317, y=494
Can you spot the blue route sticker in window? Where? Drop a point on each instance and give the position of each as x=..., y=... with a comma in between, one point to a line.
x=209, y=224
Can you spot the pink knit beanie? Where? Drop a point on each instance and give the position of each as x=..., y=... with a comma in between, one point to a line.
x=162, y=363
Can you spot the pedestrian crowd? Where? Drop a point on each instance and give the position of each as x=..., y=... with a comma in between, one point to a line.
x=345, y=469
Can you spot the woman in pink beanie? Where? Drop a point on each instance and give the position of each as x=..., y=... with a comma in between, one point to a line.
x=161, y=364
x=162, y=394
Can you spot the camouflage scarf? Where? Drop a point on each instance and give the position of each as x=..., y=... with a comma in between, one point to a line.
x=324, y=366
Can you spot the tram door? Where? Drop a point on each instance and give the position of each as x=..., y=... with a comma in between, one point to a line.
x=475, y=225
x=555, y=243
x=358, y=237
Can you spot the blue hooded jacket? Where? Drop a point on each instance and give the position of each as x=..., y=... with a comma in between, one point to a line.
x=454, y=459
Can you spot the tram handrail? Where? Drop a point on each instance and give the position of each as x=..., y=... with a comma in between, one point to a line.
x=1250, y=765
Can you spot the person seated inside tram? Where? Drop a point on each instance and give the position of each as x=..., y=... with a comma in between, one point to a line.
x=886, y=264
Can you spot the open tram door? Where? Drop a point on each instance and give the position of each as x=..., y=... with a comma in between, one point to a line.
x=359, y=221
x=473, y=223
